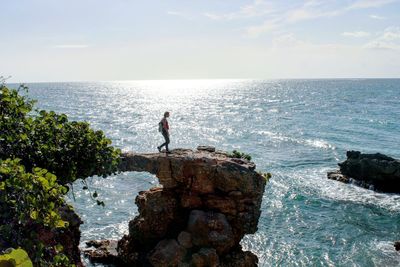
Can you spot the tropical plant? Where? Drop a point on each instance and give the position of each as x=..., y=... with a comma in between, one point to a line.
x=41, y=155
x=70, y=150
x=239, y=155
x=15, y=257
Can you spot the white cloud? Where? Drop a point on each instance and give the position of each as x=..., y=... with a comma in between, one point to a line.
x=311, y=10
x=179, y=14
x=358, y=34
x=377, y=17
x=267, y=26
x=276, y=16
x=288, y=40
x=389, y=39
x=72, y=46
x=257, y=9
x=361, y=4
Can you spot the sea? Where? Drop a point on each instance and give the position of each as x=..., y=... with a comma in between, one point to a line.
x=295, y=129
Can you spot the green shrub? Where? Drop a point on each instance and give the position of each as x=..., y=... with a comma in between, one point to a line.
x=239, y=155
x=266, y=175
x=70, y=150
x=28, y=202
x=41, y=154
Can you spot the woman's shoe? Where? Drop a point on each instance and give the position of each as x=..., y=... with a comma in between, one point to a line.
x=159, y=149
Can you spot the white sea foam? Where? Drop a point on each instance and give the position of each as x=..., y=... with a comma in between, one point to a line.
x=317, y=143
x=338, y=191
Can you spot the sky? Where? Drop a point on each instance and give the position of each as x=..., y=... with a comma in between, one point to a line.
x=102, y=40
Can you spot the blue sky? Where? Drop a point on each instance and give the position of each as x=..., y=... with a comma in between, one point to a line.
x=92, y=40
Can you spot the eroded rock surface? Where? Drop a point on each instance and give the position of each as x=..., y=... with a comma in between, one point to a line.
x=206, y=204
x=102, y=251
x=372, y=171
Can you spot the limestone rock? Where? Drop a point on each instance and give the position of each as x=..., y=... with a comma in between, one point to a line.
x=158, y=210
x=102, y=251
x=239, y=258
x=205, y=257
x=206, y=203
x=397, y=245
x=185, y=239
x=211, y=229
x=167, y=253
x=206, y=148
x=338, y=176
x=373, y=171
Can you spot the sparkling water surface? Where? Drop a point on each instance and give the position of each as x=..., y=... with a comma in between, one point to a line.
x=295, y=129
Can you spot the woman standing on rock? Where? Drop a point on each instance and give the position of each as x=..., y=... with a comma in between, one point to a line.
x=163, y=127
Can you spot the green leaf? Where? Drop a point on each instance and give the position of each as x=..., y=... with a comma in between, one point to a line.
x=34, y=214
x=15, y=257
x=58, y=248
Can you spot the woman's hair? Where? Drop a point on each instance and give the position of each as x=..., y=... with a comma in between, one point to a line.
x=166, y=113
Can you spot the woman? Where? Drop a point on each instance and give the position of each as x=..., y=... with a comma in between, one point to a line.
x=163, y=124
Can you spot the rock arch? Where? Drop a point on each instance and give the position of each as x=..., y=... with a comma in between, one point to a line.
x=207, y=203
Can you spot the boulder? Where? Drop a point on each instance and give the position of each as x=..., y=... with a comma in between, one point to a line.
x=239, y=258
x=102, y=251
x=205, y=257
x=167, y=253
x=185, y=239
x=397, y=245
x=373, y=171
x=210, y=229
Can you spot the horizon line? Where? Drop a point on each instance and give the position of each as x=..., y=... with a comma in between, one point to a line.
x=205, y=79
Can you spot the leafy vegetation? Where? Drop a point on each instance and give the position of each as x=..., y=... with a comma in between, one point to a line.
x=239, y=155
x=15, y=257
x=41, y=154
x=70, y=150
x=266, y=175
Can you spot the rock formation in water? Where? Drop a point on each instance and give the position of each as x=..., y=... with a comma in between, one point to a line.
x=374, y=171
x=397, y=245
x=206, y=204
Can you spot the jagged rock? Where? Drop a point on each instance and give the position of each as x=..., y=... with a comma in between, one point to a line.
x=128, y=252
x=205, y=257
x=338, y=176
x=239, y=258
x=158, y=210
x=206, y=148
x=185, y=239
x=167, y=253
x=210, y=229
x=373, y=171
x=397, y=245
x=102, y=251
x=206, y=203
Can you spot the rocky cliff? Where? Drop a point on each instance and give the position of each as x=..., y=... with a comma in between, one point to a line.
x=206, y=204
x=373, y=171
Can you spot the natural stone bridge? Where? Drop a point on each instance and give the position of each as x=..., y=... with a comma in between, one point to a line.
x=206, y=204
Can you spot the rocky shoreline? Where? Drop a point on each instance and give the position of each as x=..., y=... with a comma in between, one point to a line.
x=207, y=202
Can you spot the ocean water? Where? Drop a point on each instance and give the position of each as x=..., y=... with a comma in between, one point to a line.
x=295, y=129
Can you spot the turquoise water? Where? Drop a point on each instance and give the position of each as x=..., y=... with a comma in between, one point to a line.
x=295, y=129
